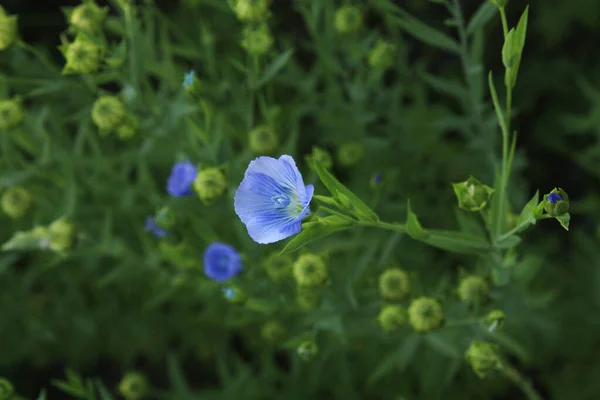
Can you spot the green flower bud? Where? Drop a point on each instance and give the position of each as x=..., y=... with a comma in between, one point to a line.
x=310, y=270
x=273, y=332
x=307, y=350
x=350, y=153
x=348, y=19
x=381, y=57
x=556, y=203
x=322, y=156
x=472, y=195
x=165, y=218
x=392, y=316
x=235, y=295
x=278, y=266
x=499, y=3
x=394, y=284
x=425, y=314
x=134, y=386
x=209, y=184
x=61, y=235
x=128, y=128
x=494, y=320
x=83, y=56
x=16, y=202
x=473, y=288
x=7, y=390
x=108, y=113
x=263, y=140
x=88, y=17
x=11, y=113
x=8, y=29
x=252, y=10
x=257, y=40
x=307, y=298
x=483, y=357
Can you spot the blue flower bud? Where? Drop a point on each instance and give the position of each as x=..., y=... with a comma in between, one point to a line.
x=152, y=226
x=556, y=203
x=181, y=179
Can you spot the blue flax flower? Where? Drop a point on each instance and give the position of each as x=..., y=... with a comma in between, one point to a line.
x=554, y=198
x=152, y=226
x=272, y=200
x=221, y=262
x=181, y=179
x=188, y=78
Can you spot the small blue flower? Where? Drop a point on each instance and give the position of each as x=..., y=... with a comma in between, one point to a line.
x=378, y=178
x=228, y=292
x=272, y=200
x=221, y=262
x=554, y=198
x=188, y=78
x=151, y=226
x=181, y=179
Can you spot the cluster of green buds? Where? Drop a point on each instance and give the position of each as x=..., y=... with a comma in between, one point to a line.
x=59, y=236
x=348, y=19
x=87, y=17
x=11, y=113
x=210, y=183
x=473, y=288
x=394, y=284
x=483, y=357
x=16, y=202
x=381, y=56
x=392, y=316
x=109, y=115
x=257, y=39
x=134, y=386
x=278, y=266
x=251, y=10
x=472, y=195
x=83, y=55
x=263, y=140
x=425, y=314
x=310, y=270
x=8, y=29
x=273, y=332
x=350, y=153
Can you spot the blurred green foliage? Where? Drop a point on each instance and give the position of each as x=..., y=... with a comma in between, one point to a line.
x=413, y=109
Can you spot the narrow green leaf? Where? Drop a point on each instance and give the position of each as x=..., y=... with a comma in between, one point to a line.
x=499, y=112
x=413, y=226
x=527, y=214
x=273, y=68
x=176, y=375
x=510, y=52
x=521, y=31
x=564, y=220
x=424, y=32
x=341, y=192
x=508, y=242
x=482, y=17
x=317, y=231
x=103, y=391
x=457, y=242
x=442, y=345
x=66, y=387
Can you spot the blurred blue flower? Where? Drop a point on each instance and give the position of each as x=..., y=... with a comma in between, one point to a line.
x=188, y=78
x=151, y=226
x=378, y=178
x=228, y=293
x=554, y=198
x=221, y=262
x=181, y=179
x=272, y=200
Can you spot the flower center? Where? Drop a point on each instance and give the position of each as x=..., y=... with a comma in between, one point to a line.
x=282, y=200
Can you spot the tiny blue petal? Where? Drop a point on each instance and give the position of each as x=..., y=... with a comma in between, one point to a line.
x=229, y=293
x=188, y=78
x=554, y=198
x=221, y=262
x=181, y=179
x=378, y=178
x=272, y=199
x=156, y=230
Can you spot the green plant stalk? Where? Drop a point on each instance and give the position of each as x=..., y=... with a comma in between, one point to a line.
x=518, y=379
x=396, y=227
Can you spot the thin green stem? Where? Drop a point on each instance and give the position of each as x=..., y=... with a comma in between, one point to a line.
x=504, y=21
x=384, y=225
x=519, y=380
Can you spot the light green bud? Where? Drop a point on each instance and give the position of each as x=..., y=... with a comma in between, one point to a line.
x=322, y=156
x=278, y=266
x=473, y=288
x=61, y=235
x=257, y=40
x=128, y=127
x=134, y=386
x=483, y=357
x=307, y=298
x=307, y=350
x=273, y=332
x=251, y=10
x=425, y=314
x=310, y=270
x=88, y=17
x=394, y=284
x=8, y=29
x=16, y=202
x=83, y=56
x=108, y=113
x=472, y=195
x=392, y=316
x=209, y=184
x=263, y=140
x=348, y=19
x=494, y=320
x=350, y=153
x=381, y=57
x=11, y=113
